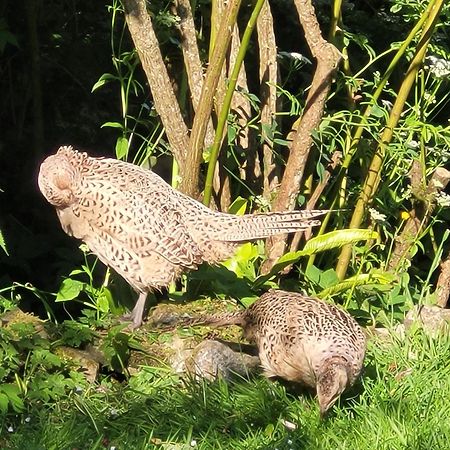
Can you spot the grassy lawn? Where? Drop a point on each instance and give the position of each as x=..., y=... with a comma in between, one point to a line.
x=401, y=403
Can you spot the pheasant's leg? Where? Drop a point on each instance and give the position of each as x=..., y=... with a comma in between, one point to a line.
x=138, y=311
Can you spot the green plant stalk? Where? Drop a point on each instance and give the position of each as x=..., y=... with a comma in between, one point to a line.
x=222, y=121
x=353, y=145
x=213, y=34
x=175, y=173
x=335, y=18
x=376, y=95
x=335, y=37
x=374, y=174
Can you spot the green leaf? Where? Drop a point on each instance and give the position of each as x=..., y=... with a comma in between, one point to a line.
x=3, y=243
x=327, y=241
x=103, y=303
x=238, y=207
x=4, y=402
x=69, y=290
x=359, y=280
x=328, y=278
x=105, y=78
x=336, y=239
x=313, y=274
x=121, y=147
x=12, y=391
x=376, y=111
x=248, y=301
x=112, y=125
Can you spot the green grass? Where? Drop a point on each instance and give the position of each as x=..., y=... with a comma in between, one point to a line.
x=401, y=403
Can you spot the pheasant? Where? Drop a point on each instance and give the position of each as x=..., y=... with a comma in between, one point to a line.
x=300, y=339
x=141, y=227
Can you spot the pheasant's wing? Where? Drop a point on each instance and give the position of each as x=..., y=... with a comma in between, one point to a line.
x=138, y=222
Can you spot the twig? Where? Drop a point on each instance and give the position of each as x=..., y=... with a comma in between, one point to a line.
x=147, y=45
x=420, y=215
x=327, y=57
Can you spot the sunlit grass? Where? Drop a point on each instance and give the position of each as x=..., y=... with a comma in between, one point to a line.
x=401, y=402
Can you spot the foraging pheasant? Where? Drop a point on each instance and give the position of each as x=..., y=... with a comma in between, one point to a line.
x=141, y=227
x=300, y=339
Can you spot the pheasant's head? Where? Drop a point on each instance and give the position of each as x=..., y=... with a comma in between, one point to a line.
x=332, y=380
x=57, y=176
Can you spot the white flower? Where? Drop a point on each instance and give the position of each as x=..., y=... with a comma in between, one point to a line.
x=430, y=98
x=439, y=67
x=10, y=429
x=376, y=216
x=193, y=443
x=294, y=55
x=413, y=144
x=443, y=199
x=387, y=104
x=27, y=419
x=289, y=425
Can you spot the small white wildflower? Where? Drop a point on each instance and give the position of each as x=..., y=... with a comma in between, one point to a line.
x=294, y=55
x=113, y=412
x=443, y=199
x=387, y=104
x=289, y=425
x=78, y=390
x=376, y=216
x=193, y=443
x=10, y=429
x=438, y=67
x=27, y=419
x=437, y=184
x=289, y=441
x=430, y=98
x=113, y=447
x=413, y=144
x=84, y=248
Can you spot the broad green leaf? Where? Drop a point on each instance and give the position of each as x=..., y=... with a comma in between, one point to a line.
x=376, y=111
x=112, y=125
x=313, y=274
x=359, y=280
x=103, y=303
x=69, y=290
x=238, y=207
x=105, y=78
x=4, y=402
x=12, y=391
x=121, y=147
x=3, y=243
x=328, y=278
x=248, y=301
x=336, y=239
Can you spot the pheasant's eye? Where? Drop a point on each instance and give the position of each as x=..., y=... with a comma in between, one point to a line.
x=62, y=181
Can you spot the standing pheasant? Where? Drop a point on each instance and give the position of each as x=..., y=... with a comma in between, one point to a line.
x=300, y=339
x=141, y=227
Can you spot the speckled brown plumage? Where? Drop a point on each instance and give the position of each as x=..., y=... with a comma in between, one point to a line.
x=140, y=226
x=301, y=339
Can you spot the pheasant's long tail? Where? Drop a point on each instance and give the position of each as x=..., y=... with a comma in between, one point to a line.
x=259, y=226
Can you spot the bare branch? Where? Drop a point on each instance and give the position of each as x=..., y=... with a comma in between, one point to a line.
x=327, y=57
x=147, y=45
x=192, y=60
x=189, y=183
x=443, y=283
x=268, y=76
x=420, y=215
